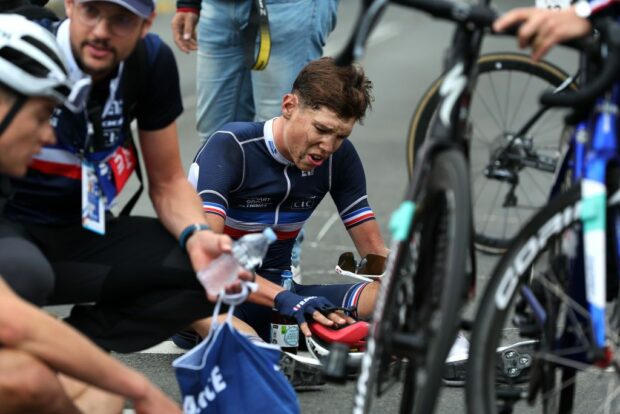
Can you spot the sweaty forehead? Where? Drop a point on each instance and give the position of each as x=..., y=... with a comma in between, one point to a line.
x=328, y=118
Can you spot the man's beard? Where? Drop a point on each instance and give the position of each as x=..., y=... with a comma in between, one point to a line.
x=98, y=71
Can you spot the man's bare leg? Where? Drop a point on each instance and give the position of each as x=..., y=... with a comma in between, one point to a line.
x=203, y=326
x=29, y=386
x=90, y=399
x=367, y=300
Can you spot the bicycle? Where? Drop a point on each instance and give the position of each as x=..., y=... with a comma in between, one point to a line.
x=430, y=268
x=557, y=285
x=513, y=142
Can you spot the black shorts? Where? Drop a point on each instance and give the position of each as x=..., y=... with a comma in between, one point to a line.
x=135, y=285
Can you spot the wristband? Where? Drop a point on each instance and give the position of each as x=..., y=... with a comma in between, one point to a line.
x=188, y=10
x=189, y=230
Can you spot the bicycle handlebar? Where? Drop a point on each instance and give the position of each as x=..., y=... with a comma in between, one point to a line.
x=609, y=36
x=483, y=17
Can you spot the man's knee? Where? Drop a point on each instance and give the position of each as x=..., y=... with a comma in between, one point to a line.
x=368, y=298
x=26, y=384
x=26, y=270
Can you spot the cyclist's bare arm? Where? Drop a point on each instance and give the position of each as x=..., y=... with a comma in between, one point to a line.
x=29, y=330
x=367, y=239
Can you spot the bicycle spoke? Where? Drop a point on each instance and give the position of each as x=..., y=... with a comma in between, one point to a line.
x=542, y=190
x=520, y=101
x=496, y=98
x=480, y=133
x=488, y=215
x=508, y=96
x=504, y=228
x=486, y=106
x=554, y=128
x=541, y=127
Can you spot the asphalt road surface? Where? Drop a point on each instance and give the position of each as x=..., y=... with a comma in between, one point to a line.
x=404, y=56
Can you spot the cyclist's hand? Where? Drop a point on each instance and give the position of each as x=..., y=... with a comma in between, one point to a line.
x=541, y=28
x=291, y=304
x=205, y=246
x=184, y=31
x=155, y=401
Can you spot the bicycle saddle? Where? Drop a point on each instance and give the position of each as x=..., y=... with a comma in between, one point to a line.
x=354, y=335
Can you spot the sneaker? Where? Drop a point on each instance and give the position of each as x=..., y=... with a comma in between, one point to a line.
x=186, y=339
x=301, y=371
x=454, y=369
x=459, y=350
x=513, y=364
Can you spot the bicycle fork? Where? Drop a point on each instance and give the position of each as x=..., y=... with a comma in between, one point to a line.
x=593, y=216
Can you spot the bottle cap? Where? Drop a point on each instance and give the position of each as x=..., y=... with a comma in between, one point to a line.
x=287, y=274
x=269, y=234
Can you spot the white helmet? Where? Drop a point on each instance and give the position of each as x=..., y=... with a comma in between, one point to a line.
x=31, y=63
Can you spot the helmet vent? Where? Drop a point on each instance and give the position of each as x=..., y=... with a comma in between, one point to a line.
x=45, y=49
x=24, y=62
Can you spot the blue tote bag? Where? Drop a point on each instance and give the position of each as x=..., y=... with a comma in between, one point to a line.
x=227, y=373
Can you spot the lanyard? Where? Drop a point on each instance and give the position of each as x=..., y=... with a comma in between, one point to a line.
x=258, y=24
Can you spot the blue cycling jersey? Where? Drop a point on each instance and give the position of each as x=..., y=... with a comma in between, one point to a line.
x=241, y=176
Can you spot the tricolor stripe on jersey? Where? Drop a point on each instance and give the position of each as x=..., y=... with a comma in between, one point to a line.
x=356, y=217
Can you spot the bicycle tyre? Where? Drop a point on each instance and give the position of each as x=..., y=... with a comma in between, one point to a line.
x=546, y=74
x=552, y=373
x=423, y=291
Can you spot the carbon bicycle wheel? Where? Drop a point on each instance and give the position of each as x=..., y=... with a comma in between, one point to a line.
x=520, y=360
x=509, y=183
x=417, y=312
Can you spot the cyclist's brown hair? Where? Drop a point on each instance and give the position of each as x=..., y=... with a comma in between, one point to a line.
x=344, y=89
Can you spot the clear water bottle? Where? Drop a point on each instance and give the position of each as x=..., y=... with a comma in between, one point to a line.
x=284, y=329
x=247, y=252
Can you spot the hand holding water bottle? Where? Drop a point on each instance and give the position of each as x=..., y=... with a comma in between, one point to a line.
x=247, y=252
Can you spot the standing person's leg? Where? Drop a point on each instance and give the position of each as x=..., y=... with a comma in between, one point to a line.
x=23, y=266
x=224, y=92
x=299, y=30
x=142, y=282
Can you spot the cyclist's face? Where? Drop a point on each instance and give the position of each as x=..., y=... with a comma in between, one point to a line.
x=25, y=135
x=103, y=34
x=311, y=135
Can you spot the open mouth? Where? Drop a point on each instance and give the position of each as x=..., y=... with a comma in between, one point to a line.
x=315, y=160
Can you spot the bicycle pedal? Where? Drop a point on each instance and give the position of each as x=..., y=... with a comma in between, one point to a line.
x=335, y=365
x=467, y=325
x=515, y=361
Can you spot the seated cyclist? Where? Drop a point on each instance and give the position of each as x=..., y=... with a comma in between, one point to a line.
x=253, y=175
x=46, y=366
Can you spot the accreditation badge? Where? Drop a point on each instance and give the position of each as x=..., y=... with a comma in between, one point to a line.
x=93, y=211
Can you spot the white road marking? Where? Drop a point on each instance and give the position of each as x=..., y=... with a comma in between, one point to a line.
x=166, y=347
x=328, y=224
